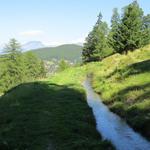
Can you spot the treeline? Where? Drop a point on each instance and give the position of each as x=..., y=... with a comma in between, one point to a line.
x=17, y=67
x=129, y=30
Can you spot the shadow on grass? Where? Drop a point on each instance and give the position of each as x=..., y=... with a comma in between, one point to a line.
x=133, y=69
x=121, y=95
x=138, y=118
x=137, y=110
x=140, y=67
x=36, y=115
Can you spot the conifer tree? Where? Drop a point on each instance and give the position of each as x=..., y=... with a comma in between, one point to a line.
x=146, y=29
x=96, y=42
x=130, y=28
x=12, y=49
x=113, y=38
x=17, y=67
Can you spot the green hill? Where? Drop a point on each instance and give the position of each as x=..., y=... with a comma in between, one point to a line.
x=69, y=52
x=49, y=115
x=54, y=113
x=123, y=81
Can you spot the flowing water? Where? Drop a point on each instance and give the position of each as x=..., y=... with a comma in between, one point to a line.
x=112, y=127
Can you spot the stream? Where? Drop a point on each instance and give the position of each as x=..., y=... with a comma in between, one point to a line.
x=112, y=127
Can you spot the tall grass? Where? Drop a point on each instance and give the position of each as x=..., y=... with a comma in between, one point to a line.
x=123, y=81
x=51, y=114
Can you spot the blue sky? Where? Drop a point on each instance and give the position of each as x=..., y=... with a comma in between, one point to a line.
x=55, y=21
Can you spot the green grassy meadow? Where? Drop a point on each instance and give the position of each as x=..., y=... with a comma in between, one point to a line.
x=50, y=114
x=53, y=113
x=123, y=82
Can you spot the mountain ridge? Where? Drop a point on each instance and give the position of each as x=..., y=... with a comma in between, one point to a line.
x=71, y=52
x=32, y=45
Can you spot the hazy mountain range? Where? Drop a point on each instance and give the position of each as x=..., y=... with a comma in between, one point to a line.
x=71, y=52
x=33, y=45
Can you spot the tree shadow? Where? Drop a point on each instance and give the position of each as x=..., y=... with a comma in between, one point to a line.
x=133, y=69
x=136, y=111
x=144, y=95
x=140, y=67
x=139, y=119
x=34, y=114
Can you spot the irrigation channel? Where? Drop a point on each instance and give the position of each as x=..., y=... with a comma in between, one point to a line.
x=111, y=126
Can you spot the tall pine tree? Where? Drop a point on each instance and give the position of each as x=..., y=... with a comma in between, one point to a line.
x=12, y=49
x=96, y=42
x=146, y=29
x=113, y=38
x=17, y=67
x=130, y=28
x=14, y=61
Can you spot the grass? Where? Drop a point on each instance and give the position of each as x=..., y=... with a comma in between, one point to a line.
x=123, y=81
x=69, y=52
x=51, y=114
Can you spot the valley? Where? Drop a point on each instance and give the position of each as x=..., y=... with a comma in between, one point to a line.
x=59, y=109
x=69, y=84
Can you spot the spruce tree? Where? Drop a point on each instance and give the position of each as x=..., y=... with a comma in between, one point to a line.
x=96, y=42
x=130, y=29
x=14, y=62
x=146, y=29
x=113, y=38
x=12, y=49
x=17, y=67
x=34, y=66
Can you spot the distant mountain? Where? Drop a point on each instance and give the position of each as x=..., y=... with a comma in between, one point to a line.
x=71, y=52
x=32, y=45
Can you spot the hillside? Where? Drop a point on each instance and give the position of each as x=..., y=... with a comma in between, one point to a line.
x=70, y=52
x=54, y=112
x=123, y=82
x=51, y=114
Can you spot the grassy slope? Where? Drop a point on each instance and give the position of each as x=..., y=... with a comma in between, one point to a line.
x=55, y=112
x=51, y=113
x=124, y=85
x=70, y=52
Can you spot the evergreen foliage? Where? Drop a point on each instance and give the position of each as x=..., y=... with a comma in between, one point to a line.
x=113, y=38
x=146, y=29
x=130, y=35
x=17, y=67
x=95, y=48
x=63, y=64
x=129, y=31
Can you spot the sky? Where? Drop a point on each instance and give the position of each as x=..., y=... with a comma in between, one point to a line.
x=55, y=22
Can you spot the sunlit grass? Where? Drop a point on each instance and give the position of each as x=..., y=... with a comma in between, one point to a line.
x=51, y=113
x=123, y=81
